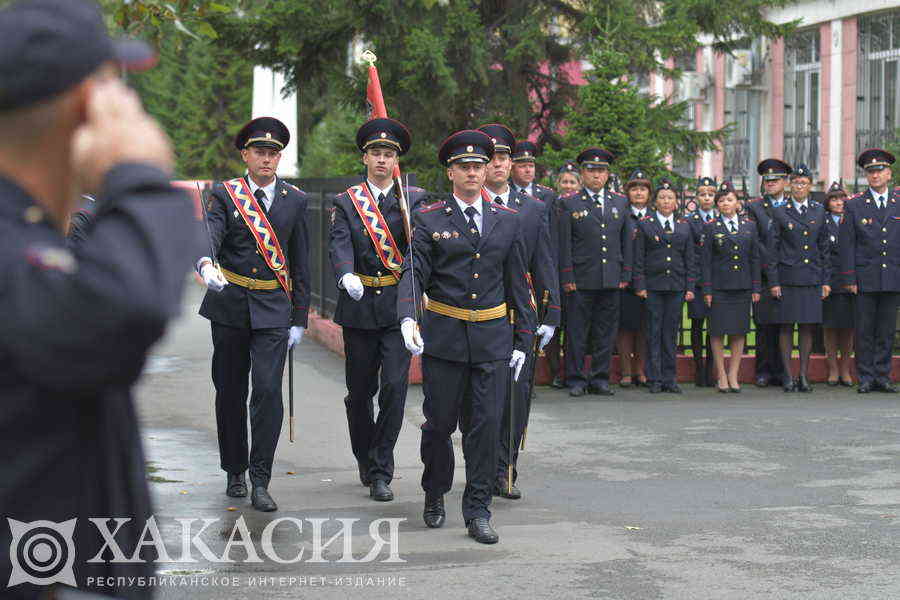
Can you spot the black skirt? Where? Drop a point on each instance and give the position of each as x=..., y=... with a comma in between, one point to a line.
x=697, y=308
x=631, y=312
x=730, y=312
x=798, y=304
x=838, y=311
x=765, y=311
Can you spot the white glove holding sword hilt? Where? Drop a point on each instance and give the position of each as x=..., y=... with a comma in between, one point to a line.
x=545, y=332
x=211, y=275
x=412, y=339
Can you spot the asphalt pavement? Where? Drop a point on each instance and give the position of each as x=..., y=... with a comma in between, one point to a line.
x=699, y=496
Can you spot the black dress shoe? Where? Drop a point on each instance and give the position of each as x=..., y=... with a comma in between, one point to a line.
x=557, y=383
x=845, y=383
x=577, y=391
x=655, y=388
x=865, y=387
x=790, y=386
x=237, y=485
x=501, y=488
x=434, y=515
x=363, y=473
x=734, y=390
x=762, y=381
x=381, y=491
x=886, y=386
x=803, y=385
x=601, y=389
x=672, y=388
x=832, y=382
x=261, y=500
x=480, y=529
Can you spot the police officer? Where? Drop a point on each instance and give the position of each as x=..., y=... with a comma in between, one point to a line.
x=769, y=367
x=78, y=323
x=869, y=250
x=665, y=274
x=467, y=256
x=697, y=309
x=366, y=247
x=524, y=154
x=799, y=273
x=257, y=303
x=632, y=336
x=839, y=308
x=595, y=260
x=543, y=276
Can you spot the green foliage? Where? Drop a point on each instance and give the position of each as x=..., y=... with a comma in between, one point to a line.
x=331, y=149
x=154, y=19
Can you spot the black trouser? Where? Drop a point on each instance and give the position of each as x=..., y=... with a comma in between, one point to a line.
x=521, y=408
x=594, y=315
x=241, y=355
x=768, y=363
x=663, y=321
x=876, y=319
x=367, y=352
x=469, y=395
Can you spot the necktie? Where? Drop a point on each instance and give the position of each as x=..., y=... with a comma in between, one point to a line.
x=880, y=203
x=380, y=201
x=731, y=225
x=261, y=197
x=599, y=203
x=708, y=218
x=498, y=200
x=473, y=227
x=802, y=210
x=668, y=227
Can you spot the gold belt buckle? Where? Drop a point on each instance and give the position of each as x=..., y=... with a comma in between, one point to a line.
x=473, y=315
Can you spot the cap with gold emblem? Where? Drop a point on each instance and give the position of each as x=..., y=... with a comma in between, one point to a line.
x=387, y=133
x=503, y=138
x=568, y=167
x=773, y=168
x=468, y=145
x=801, y=171
x=525, y=151
x=836, y=190
x=665, y=184
x=595, y=158
x=726, y=187
x=706, y=182
x=265, y=132
x=638, y=178
x=875, y=159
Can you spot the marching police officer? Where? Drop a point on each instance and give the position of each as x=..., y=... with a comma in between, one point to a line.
x=869, y=251
x=367, y=244
x=542, y=276
x=595, y=260
x=468, y=256
x=697, y=309
x=523, y=154
x=78, y=323
x=257, y=303
x=769, y=367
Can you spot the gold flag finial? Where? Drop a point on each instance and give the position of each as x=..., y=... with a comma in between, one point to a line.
x=369, y=57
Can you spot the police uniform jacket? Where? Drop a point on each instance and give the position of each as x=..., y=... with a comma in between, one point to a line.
x=77, y=327
x=760, y=211
x=730, y=261
x=834, y=232
x=799, y=246
x=538, y=252
x=869, y=243
x=351, y=251
x=664, y=261
x=236, y=250
x=455, y=268
x=596, y=248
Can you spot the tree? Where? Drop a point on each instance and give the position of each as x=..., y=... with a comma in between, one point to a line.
x=151, y=19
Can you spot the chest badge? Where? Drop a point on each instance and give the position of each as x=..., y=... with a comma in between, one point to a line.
x=236, y=214
x=435, y=236
x=455, y=234
x=615, y=212
x=446, y=235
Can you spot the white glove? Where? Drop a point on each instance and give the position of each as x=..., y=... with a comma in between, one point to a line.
x=546, y=332
x=411, y=337
x=295, y=335
x=516, y=362
x=353, y=285
x=213, y=277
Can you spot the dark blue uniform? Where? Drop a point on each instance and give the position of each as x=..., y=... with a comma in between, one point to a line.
x=77, y=329
x=250, y=327
x=731, y=272
x=535, y=224
x=697, y=309
x=869, y=251
x=768, y=364
x=665, y=265
x=371, y=331
x=464, y=365
x=596, y=254
x=839, y=308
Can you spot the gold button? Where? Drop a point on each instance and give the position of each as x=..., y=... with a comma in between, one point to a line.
x=668, y=259
x=883, y=266
x=735, y=257
x=473, y=296
x=668, y=245
x=34, y=214
x=603, y=225
x=378, y=273
x=805, y=232
x=667, y=271
x=253, y=270
x=884, y=253
x=377, y=292
x=477, y=255
x=805, y=261
x=603, y=237
x=603, y=249
x=604, y=261
x=884, y=230
x=736, y=267
x=735, y=247
x=475, y=275
x=806, y=247
x=884, y=241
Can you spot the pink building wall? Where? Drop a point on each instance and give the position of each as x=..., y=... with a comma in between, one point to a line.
x=848, y=99
x=825, y=102
x=718, y=161
x=776, y=139
x=698, y=114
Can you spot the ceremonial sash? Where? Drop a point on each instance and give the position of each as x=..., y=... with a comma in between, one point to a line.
x=379, y=232
x=262, y=230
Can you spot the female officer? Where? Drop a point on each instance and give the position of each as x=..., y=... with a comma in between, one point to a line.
x=631, y=336
x=838, y=308
x=799, y=272
x=665, y=275
x=697, y=309
x=731, y=280
x=568, y=180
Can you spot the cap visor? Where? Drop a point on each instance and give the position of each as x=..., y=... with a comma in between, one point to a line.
x=467, y=159
x=134, y=55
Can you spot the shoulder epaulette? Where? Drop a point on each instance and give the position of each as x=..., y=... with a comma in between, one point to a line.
x=570, y=195
x=857, y=195
x=412, y=188
x=681, y=220
x=695, y=216
x=538, y=186
x=645, y=218
x=291, y=185
x=506, y=208
x=432, y=207
x=617, y=194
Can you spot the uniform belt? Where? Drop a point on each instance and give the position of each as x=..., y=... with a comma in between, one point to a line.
x=464, y=314
x=383, y=281
x=249, y=282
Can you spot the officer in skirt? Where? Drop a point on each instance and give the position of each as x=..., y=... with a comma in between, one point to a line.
x=632, y=336
x=838, y=322
x=698, y=312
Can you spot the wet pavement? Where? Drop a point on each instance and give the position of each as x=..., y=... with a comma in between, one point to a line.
x=700, y=496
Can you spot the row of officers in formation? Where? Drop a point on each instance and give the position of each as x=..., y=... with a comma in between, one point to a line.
x=477, y=281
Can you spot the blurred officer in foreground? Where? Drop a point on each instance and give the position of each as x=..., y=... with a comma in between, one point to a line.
x=366, y=246
x=870, y=261
x=78, y=323
x=257, y=303
x=467, y=255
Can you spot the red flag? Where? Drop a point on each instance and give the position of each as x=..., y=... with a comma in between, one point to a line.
x=374, y=97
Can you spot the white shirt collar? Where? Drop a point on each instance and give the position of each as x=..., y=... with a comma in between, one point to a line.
x=591, y=194
x=705, y=213
x=269, y=191
x=377, y=190
x=798, y=205
x=504, y=196
x=638, y=211
x=663, y=220
x=876, y=195
x=729, y=220
x=779, y=199
x=527, y=189
x=463, y=205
